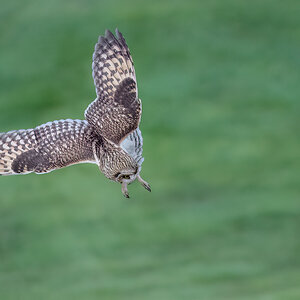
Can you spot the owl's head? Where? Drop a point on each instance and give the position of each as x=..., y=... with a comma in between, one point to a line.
x=119, y=166
x=127, y=176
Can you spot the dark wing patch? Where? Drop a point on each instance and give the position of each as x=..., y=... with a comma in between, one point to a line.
x=116, y=111
x=113, y=119
x=48, y=147
x=26, y=162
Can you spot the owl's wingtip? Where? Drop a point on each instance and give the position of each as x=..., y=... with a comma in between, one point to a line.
x=108, y=33
x=119, y=35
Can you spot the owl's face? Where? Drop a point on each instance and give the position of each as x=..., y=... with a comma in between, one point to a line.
x=127, y=176
x=120, y=167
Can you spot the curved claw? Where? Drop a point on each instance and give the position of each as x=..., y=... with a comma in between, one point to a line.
x=145, y=184
x=125, y=190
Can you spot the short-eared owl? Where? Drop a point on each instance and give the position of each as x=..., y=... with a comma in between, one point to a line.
x=109, y=137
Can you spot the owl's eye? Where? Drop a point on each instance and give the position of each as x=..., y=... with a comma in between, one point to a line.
x=126, y=176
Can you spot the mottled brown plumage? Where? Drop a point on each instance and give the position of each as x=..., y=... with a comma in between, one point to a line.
x=109, y=137
x=117, y=110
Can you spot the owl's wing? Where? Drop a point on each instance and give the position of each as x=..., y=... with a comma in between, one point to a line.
x=133, y=145
x=48, y=147
x=116, y=112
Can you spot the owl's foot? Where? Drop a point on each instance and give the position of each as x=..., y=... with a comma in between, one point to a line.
x=125, y=190
x=145, y=184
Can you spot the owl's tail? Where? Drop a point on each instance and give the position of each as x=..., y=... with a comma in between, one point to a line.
x=13, y=146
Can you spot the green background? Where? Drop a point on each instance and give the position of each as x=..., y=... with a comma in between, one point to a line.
x=220, y=87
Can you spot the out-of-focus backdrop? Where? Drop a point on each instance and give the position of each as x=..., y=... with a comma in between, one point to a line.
x=220, y=87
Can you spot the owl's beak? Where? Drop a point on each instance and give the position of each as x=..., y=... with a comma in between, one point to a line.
x=145, y=184
x=125, y=190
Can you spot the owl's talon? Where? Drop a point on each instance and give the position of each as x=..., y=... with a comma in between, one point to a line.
x=125, y=190
x=147, y=187
x=145, y=184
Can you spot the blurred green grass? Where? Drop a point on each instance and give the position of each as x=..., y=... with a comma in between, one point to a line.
x=220, y=87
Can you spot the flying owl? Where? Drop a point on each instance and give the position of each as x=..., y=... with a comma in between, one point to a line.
x=109, y=136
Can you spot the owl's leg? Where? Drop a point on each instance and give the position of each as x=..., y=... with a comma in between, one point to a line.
x=125, y=190
x=145, y=184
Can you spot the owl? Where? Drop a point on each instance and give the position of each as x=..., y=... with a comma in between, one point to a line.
x=109, y=136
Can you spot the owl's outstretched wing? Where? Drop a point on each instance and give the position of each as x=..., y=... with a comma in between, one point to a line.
x=116, y=112
x=48, y=147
